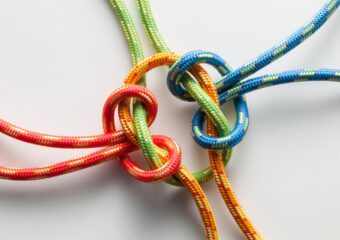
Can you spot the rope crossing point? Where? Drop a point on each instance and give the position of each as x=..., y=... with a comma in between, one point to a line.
x=188, y=81
x=117, y=144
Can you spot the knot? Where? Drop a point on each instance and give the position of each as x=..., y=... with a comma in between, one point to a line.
x=205, y=93
x=172, y=152
x=136, y=129
x=138, y=134
x=228, y=138
x=116, y=144
x=232, y=86
x=187, y=61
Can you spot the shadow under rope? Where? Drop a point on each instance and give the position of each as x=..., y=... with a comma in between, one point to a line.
x=153, y=200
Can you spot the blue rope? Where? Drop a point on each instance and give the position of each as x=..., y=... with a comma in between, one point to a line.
x=234, y=84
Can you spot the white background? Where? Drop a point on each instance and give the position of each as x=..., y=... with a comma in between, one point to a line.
x=59, y=60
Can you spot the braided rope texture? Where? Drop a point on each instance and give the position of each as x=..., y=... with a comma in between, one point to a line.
x=232, y=86
x=137, y=132
x=188, y=81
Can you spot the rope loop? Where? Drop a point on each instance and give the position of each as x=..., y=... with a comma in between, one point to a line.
x=187, y=61
x=204, y=85
x=172, y=150
x=123, y=93
x=114, y=142
x=175, y=85
x=234, y=90
x=217, y=125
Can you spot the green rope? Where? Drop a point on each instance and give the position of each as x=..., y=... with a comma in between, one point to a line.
x=139, y=114
x=189, y=83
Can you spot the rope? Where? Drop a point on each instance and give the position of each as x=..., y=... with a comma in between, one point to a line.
x=231, y=86
x=186, y=80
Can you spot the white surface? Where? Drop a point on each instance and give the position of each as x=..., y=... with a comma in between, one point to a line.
x=60, y=60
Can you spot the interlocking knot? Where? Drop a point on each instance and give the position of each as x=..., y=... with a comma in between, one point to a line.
x=227, y=139
x=188, y=81
x=232, y=86
x=116, y=144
